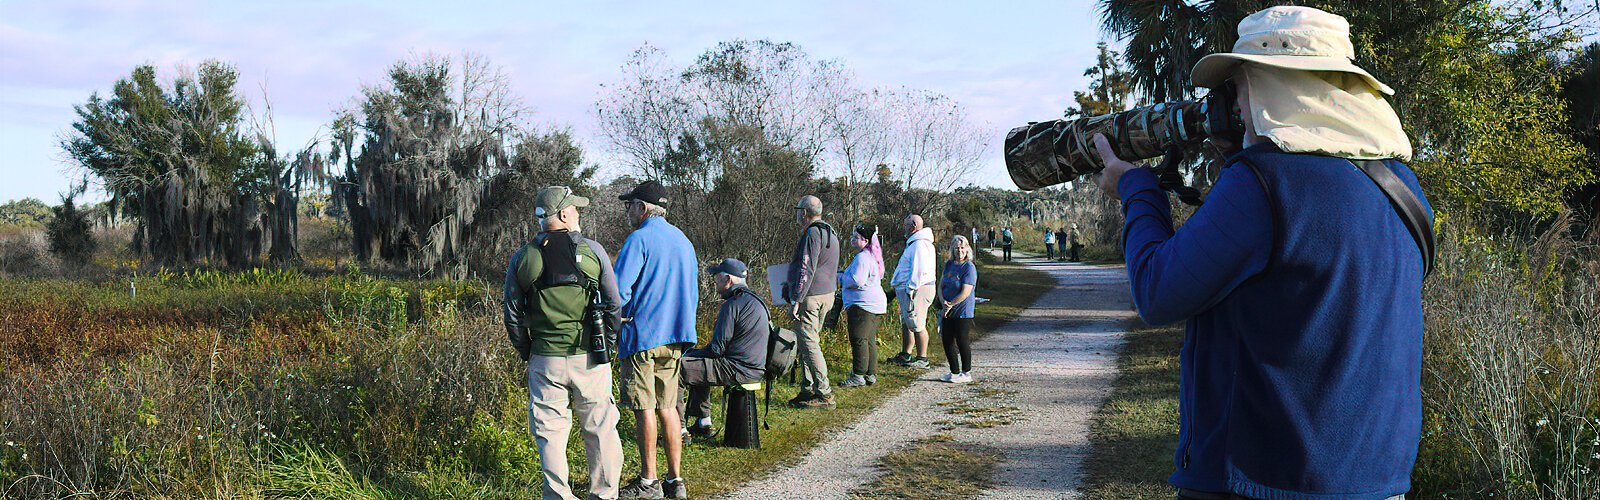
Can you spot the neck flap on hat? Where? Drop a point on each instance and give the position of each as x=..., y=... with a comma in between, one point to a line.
x=1324, y=112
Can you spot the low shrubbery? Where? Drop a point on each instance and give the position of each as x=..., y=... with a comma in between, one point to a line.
x=1511, y=378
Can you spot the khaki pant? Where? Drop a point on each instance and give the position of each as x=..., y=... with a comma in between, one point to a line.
x=557, y=384
x=914, y=308
x=813, y=368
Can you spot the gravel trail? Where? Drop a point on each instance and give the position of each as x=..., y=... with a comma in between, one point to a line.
x=1041, y=376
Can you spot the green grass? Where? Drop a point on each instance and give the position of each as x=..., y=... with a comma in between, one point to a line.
x=1134, y=434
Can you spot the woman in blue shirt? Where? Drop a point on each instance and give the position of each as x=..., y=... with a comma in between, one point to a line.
x=956, y=304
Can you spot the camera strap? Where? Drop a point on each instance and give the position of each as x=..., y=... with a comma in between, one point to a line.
x=1407, y=205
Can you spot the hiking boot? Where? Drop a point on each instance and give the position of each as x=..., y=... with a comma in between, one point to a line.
x=637, y=489
x=901, y=359
x=702, y=431
x=799, y=401
x=824, y=401
x=675, y=488
x=854, y=381
x=919, y=362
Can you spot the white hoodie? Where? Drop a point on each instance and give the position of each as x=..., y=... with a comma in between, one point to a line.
x=915, y=269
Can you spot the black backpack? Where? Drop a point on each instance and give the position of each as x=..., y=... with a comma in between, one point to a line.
x=781, y=344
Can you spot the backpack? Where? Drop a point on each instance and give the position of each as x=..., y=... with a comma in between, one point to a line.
x=781, y=343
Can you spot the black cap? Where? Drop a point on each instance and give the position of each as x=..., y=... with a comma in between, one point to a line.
x=728, y=266
x=649, y=192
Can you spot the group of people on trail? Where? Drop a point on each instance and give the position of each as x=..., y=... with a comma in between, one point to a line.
x=1060, y=242
x=1299, y=281
x=560, y=281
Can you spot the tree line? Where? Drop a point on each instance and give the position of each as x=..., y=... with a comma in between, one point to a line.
x=433, y=168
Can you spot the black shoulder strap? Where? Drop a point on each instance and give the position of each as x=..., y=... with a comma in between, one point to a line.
x=1272, y=204
x=826, y=241
x=1407, y=205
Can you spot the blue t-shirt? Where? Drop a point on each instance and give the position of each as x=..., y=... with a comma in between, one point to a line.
x=955, y=275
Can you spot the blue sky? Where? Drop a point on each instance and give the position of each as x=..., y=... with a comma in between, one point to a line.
x=1006, y=66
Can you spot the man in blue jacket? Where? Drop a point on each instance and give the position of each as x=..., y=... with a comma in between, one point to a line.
x=656, y=284
x=1299, y=284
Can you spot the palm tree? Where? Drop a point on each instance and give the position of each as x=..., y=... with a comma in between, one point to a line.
x=1164, y=38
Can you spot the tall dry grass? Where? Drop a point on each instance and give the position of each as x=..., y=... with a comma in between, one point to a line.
x=243, y=384
x=1512, y=364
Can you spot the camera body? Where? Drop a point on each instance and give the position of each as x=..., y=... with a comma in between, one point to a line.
x=1042, y=154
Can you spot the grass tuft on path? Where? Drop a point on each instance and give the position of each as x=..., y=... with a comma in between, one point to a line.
x=935, y=468
x=1134, y=434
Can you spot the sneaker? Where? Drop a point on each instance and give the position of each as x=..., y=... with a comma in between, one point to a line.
x=854, y=381
x=675, y=488
x=961, y=379
x=799, y=401
x=872, y=379
x=967, y=376
x=637, y=489
x=818, y=402
x=950, y=377
x=919, y=363
x=901, y=359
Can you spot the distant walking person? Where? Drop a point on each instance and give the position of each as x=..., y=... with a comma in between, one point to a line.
x=547, y=289
x=864, y=304
x=1049, y=243
x=991, y=239
x=1006, y=239
x=657, y=279
x=956, y=307
x=1061, y=238
x=813, y=279
x=1076, y=240
x=913, y=284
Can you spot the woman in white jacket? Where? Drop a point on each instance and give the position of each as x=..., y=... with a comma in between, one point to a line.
x=864, y=305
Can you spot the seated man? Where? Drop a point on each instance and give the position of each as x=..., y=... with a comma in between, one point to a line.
x=737, y=353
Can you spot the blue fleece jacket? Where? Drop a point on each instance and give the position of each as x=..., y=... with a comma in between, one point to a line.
x=656, y=283
x=1302, y=295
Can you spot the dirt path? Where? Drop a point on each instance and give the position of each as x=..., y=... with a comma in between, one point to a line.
x=1039, y=380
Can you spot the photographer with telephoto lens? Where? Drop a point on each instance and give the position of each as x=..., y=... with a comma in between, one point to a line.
x=1300, y=279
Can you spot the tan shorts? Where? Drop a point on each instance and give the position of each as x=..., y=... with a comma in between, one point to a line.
x=914, y=308
x=650, y=379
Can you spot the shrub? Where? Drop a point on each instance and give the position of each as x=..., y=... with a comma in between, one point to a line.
x=70, y=238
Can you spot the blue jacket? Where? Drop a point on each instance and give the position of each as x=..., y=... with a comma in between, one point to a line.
x=657, y=275
x=1302, y=354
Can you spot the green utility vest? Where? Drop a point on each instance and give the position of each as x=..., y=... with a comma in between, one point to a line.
x=555, y=313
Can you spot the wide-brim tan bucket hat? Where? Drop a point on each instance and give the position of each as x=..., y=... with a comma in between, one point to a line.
x=1295, y=38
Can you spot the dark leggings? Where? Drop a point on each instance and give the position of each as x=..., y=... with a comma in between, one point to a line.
x=863, y=327
x=957, y=336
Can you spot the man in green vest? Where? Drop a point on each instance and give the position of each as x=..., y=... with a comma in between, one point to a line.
x=550, y=283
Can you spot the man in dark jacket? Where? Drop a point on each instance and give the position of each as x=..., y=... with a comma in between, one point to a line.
x=813, y=279
x=1300, y=284
x=547, y=288
x=737, y=353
